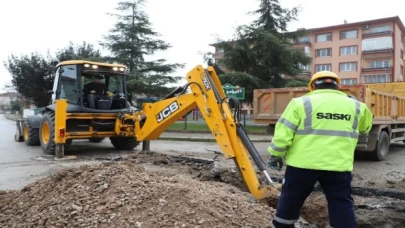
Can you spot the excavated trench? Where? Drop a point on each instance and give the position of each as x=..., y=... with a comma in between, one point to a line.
x=374, y=207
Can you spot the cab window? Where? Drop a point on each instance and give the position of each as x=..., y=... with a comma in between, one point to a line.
x=68, y=84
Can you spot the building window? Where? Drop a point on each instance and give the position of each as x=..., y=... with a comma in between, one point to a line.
x=378, y=29
x=324, y=37
x=402, y=70
x=323, y=67
x=351, y=50
x=401, y=55
x=220, y=50
x=348, y=66
x=376, y=78
x=305, y=39
x=377, y=44
x=307, y=50
x=324, y=52
x=349, y=34
x=303, y=68
x=380, y=64
x=349, y=81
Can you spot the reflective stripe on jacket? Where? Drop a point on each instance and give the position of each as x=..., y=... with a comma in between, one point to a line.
x=320, y=131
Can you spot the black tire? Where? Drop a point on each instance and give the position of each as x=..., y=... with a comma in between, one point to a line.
x=47, y=125
x=381, y=149
x=96, y=140
x=124, y=143
x=30, y=134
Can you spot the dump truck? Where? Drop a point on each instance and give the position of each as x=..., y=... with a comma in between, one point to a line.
x=70, y=117
x=385, y=100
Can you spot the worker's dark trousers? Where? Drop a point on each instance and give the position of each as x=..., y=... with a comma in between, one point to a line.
x=93, y=98
x=298, y=185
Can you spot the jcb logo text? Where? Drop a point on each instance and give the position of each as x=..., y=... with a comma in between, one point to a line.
x=166, y=112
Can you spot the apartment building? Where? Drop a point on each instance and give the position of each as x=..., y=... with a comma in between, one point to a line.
x=361, y=52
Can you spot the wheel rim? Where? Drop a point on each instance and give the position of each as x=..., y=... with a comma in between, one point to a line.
x=45, y=133
x=384, y=148
x=25, y=132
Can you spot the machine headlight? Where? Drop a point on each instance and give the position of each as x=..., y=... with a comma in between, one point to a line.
x=86, y=65
x=122, y=69
x=115, y=68
x=94, y=66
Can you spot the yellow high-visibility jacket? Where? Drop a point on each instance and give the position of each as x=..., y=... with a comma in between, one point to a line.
x=320, y=131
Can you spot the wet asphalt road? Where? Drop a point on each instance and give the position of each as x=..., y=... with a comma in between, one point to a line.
x=21, y=164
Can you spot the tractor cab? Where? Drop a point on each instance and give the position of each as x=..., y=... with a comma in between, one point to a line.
x=91, y=86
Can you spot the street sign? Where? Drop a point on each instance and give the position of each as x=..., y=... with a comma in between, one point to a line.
x=234, y=91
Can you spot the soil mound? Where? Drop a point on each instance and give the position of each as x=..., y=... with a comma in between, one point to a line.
x=123, y=194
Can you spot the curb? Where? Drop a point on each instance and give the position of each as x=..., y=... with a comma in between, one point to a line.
x=11, y=118
x=190, y=139
x=199, y=139
x=209, y=132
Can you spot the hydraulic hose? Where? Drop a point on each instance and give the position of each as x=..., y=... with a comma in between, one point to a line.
x=253, y=152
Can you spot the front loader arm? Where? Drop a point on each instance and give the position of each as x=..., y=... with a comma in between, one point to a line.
x=206, y=92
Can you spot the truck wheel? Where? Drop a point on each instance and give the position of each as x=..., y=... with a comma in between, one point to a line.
x=30, y=134
x=124, y=143
x=381, y=149
x=47, y=133
x=96, y=140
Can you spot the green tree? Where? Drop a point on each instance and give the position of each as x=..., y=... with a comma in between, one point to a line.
x=131, y=41
x=33, y=74
x=263, y=48
x=296, y=82
x=83, y=51
x=16, y=104
x=245, y=80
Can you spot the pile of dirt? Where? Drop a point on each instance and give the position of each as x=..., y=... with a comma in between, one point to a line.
x=123, y=194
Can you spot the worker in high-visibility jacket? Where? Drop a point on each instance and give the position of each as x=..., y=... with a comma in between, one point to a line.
x=318, y=133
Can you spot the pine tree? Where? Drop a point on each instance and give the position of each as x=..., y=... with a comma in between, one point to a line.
x=130, y=41
x=273, y=17
x=263, y=48
x=83, y=51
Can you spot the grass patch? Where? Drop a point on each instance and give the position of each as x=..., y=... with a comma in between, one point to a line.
x=204, y=127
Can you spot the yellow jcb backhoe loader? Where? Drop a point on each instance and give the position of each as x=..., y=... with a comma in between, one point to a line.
x=69, y=116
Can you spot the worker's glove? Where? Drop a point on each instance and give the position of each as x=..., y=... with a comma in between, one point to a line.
x=275, y=162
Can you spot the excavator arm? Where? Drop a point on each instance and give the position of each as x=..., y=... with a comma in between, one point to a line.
x=204, y=90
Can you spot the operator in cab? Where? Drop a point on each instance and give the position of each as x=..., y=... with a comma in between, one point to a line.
x=96, y=90
x=318, y=133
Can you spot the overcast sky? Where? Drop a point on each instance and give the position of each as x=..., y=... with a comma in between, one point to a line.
x=188, y=25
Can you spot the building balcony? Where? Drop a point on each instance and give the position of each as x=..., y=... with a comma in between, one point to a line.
x=375, y=69
x=219, y=55
x=375, y=51
x=373, y=34
x=378, y=53
x=301, y=44
x=305, y=72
